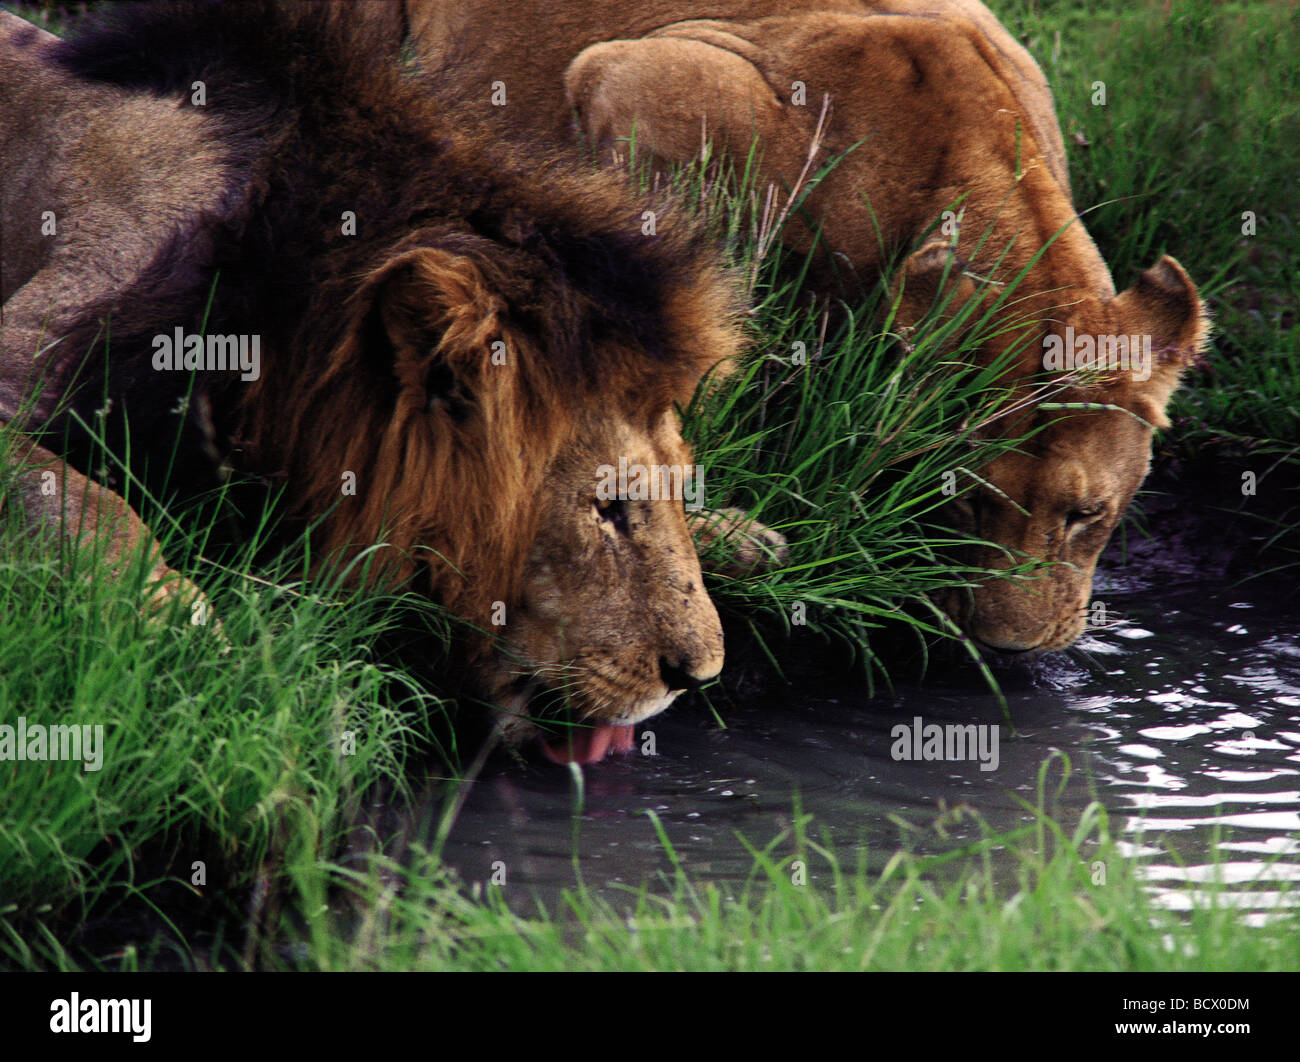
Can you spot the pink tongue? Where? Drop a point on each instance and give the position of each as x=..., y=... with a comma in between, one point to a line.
x=589, y=744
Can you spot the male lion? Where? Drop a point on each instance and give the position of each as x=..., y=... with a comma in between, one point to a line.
x=933, y=107
x=435, y=344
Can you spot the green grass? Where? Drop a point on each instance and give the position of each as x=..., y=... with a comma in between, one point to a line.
x=844, y=437
x=843, y=443
x=1072, y=900
x=238, y=760
x=222, y=754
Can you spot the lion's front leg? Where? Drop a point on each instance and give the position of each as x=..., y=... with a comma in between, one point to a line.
x=731, y=542
x=53, y=495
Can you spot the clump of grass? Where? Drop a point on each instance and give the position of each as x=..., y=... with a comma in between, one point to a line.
x=225, y=747
x=841, y=430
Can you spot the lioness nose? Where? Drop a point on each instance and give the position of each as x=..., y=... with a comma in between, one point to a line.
x=678, y=676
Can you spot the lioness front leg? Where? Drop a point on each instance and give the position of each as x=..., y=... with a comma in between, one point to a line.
x=52, y=495
x=748, y=547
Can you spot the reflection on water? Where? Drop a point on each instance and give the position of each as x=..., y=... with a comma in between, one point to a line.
x=1182, y=718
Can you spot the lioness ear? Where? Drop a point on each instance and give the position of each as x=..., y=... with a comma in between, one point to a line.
x=428, y=317
x=930, y=277
x=1164, y=305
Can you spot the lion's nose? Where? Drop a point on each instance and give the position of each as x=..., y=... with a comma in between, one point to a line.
x=678, y=676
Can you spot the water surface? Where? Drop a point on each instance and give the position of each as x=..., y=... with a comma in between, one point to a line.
x=1182, y=717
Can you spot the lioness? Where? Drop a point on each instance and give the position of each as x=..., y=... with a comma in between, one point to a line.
x=939, y=117
x=437, y=344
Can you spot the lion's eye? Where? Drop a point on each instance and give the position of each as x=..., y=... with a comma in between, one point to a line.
x=613, y=512
x=1077, y=518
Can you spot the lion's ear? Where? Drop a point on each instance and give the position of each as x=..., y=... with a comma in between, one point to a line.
x=428, y=304
x=930, y=277
x=1164, y=305
x=430, y=299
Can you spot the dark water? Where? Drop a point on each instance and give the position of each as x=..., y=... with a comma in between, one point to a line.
x=1182, y=717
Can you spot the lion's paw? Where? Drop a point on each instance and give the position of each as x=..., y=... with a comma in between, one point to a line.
x=748, y=546
x=168, y=589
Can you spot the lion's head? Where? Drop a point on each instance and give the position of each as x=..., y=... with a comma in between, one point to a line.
x=612, y=618
x=1056, y=497
x=490, y=393
x=470, y=349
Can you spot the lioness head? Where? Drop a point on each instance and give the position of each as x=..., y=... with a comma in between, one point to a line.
x=1057, y=497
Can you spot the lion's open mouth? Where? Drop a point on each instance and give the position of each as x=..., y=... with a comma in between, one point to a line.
x=562, y=740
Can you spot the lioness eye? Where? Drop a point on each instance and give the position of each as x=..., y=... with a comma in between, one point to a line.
x=615, y=512
x=1077, y=517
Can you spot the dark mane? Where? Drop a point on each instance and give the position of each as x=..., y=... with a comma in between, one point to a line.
x=315, y=93
x=313, y=109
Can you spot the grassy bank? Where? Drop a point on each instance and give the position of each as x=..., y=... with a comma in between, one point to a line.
x=226, y=824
